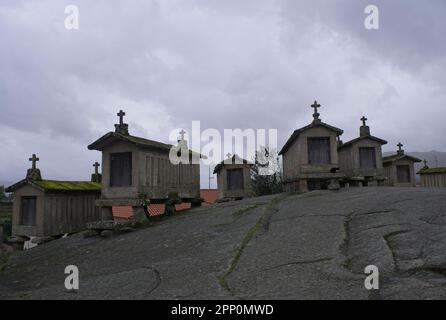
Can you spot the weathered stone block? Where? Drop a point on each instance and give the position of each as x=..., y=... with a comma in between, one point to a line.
x=90, y=234
x=119, y=202
x=101, y=225
x=106, y=233
x=17, y=239
x=41, y=240
x=106, y=213
x=334, y=185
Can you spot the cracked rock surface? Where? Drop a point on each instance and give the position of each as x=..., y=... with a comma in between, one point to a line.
x=310, y=246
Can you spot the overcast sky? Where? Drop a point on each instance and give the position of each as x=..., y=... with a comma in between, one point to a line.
x=229, y=64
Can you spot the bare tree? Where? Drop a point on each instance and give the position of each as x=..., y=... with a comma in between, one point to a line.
x=266, y=172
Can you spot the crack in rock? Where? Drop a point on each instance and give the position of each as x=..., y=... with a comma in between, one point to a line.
x=298, y=263
x=376, y=212
x=262, y=222
x=157, y=279
x=388, y=238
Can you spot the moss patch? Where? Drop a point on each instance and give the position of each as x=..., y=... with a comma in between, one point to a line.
x=246, y=209
x=68, y=185
x=433, y=170
x=263, y=221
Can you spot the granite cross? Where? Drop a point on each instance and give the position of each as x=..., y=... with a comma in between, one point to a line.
x=315, y=105
x=364, y=119
x=34, y=159
x=182, y=133
x=96, y=166
x=399, y=145
x=121, y=115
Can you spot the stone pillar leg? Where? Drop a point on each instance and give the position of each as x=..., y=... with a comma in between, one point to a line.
x=106, y=213
x=195, y=203
x=334, y=185
x=139, y=214
x=170, y=209
x=303, y=185
x=373, y=183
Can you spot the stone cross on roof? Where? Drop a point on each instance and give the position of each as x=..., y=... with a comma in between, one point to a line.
x=122, y=127
x=33, y=173
x=34, y=159
x=315, y=106
x=96, y=166
x=364, y=130
x=228, y=159
x=96, y=176
x=121, y=115
x=182, y=133
x=400, y=149
x=364, y=119
x=425, y=163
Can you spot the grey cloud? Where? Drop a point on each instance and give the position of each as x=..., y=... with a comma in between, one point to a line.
x=229, y=64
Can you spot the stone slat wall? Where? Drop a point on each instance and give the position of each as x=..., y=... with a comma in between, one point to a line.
x=69, y=213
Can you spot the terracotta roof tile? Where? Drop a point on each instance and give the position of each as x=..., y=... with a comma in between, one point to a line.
x=209, y=196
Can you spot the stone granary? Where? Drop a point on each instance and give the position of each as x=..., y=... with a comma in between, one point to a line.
x=399, y=169
x=432, y=177
x=46, y=208
x=234, y=178
x=361, y=158
x=138, y=171
x=310, y=157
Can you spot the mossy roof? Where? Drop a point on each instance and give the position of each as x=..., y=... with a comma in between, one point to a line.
x=138, y=141
x=396, y=157
x=58, y=186
x=68, y=185
x=314, y=124
x=432, y=170
x=369, y=137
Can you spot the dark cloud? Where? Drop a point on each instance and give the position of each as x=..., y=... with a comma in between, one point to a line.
x=229, y=64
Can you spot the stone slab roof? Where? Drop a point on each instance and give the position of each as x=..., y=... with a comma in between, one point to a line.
x=235, y=159
x=397, y=157
x=138, y=141
x=370, y=137
x=111, y=136
x=297, y=132
x=432, y=170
